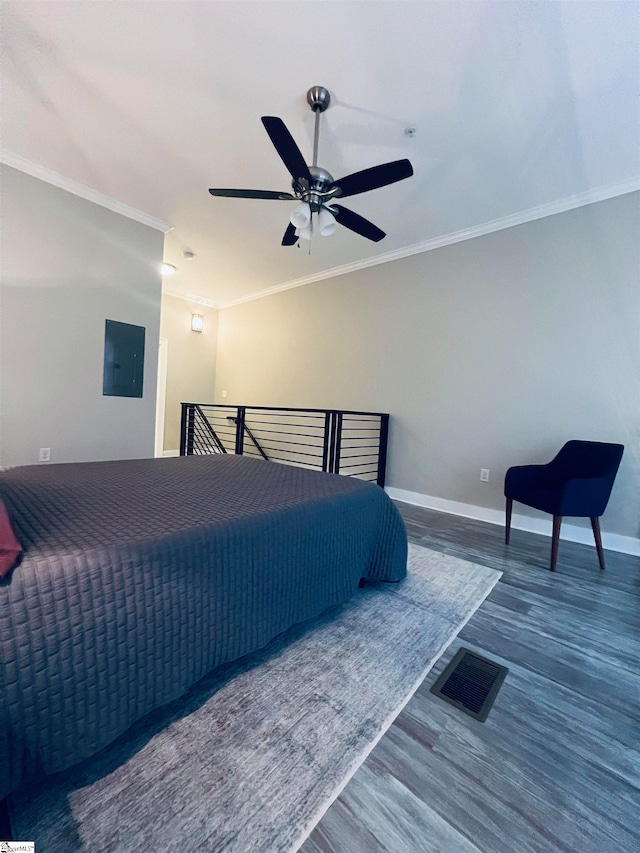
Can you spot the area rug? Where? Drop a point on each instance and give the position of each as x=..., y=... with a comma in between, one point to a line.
x=250, y=759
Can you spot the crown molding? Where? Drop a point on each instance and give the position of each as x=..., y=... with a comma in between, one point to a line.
x=76, y=188
x=540, y=212
x=198, y=300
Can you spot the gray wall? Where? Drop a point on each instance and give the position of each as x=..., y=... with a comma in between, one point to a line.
x=191, y=360
x=487, y=353
x=67, y=266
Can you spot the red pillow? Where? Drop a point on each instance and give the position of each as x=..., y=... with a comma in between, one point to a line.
x=10, y=548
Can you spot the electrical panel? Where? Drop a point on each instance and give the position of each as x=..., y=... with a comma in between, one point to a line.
x=123, y=360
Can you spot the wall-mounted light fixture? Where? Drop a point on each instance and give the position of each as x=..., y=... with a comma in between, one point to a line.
x=197, y=322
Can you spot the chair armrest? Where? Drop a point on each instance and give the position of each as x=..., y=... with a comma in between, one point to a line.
x=586, y=496
x=604, y=474
x=523, y=476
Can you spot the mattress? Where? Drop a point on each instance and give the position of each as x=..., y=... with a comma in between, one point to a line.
x=139, y=577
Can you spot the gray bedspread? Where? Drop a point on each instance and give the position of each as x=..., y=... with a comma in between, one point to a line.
x=139, y=577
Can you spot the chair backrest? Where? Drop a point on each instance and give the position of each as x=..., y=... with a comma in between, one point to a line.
x=588, y=459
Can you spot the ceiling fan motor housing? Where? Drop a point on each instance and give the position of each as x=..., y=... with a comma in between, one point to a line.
x=317, y=193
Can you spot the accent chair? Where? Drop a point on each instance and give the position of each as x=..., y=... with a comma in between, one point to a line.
x=577, y=482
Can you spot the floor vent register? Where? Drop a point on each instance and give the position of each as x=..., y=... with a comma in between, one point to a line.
x=471, y=683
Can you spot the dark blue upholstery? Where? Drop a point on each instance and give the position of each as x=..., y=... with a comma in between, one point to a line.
x=577, y=482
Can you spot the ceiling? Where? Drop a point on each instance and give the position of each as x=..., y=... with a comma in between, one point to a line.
x=516, y=105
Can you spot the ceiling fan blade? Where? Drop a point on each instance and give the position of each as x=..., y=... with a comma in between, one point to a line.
x=253, y=194
x=286, y=147
x=376, y=176
x=357, y=223
x=290, y=237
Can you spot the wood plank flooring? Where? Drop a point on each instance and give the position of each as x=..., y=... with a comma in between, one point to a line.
x=556, y=766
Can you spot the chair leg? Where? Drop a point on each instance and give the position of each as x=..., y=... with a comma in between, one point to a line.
x=557, y=521
x=507, y=528
x=595, y=526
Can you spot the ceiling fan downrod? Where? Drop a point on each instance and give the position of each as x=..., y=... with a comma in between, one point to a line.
x=318, y=191
x=318, y=99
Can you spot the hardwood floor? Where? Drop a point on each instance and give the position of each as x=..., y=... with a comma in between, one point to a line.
x=556, y=766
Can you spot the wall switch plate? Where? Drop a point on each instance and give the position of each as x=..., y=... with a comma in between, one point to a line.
x=45, y=454
x=484, y=475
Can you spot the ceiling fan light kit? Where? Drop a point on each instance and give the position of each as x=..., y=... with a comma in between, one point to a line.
x=314, y=188
x=326, y=222
x=301, y=216
x=305, y=233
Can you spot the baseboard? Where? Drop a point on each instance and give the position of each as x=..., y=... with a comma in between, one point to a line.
x=171, y=453
x=570, y=532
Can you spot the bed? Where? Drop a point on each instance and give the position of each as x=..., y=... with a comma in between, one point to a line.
x=139, y=577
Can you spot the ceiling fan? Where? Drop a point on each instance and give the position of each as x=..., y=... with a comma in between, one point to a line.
x=314, y=188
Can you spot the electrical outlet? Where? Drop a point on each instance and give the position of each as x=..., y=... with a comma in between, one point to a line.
x=224, y=393
x=484, y=475
x=45, y=454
